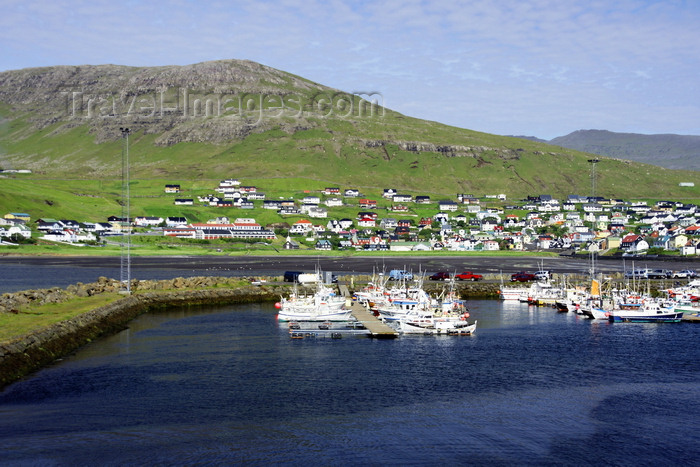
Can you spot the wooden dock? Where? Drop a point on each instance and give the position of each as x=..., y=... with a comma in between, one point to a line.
x=375, y=327
x=691, y=318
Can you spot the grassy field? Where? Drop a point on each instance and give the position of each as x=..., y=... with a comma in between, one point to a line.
x=96, y=200
x=35, y=318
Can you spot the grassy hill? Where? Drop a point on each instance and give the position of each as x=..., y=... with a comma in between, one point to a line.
x=201, y=123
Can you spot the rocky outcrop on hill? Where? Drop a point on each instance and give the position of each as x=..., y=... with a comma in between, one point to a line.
x=446, y=150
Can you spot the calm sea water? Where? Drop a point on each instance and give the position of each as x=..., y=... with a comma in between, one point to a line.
x=221, y=386
x=16, y=277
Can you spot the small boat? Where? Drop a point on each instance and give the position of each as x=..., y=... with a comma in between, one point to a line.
x=433, y=326
x=649, y=311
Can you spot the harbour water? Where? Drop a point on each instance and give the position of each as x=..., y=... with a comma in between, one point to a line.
x=227, y=385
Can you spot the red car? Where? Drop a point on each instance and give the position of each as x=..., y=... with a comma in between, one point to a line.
x=469, y=276
x=440, y=276
x=522, y=277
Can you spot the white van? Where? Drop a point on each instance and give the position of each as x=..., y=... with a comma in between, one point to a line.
x=637, y=274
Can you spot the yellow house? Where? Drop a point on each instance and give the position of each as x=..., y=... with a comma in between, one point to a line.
x=18, y=215
x=679, y=241
x=613, y=242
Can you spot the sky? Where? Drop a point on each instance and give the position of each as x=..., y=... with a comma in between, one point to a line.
x=539, y=68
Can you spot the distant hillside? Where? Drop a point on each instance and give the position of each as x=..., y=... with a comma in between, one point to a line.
x=241, y=119
x=670, y=151
x=530, y=138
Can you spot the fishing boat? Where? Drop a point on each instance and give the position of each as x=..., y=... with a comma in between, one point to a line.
x=512, y=293
x=402, y=300
x=592, y=304
x=415, y=300
x=686, y=298
x=434, y=325
x=322, y=305
x=542, y=293
x=648, y=311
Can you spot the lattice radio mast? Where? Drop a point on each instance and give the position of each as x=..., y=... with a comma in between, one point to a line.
x=125, y=264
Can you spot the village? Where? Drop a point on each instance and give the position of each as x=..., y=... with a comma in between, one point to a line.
x=317, y=221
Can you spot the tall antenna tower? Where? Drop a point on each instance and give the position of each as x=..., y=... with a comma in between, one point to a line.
x=125, y=264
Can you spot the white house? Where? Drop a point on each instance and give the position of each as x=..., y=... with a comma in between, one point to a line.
x=490, y=245
x=147, y=221
x=311, y=200
x=318, y=213
x=301, y=227
x=19, y=229
x=447, y=205
x=333, y=202
x=175, y=221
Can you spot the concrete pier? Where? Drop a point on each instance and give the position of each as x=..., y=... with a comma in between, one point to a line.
x=375, y=327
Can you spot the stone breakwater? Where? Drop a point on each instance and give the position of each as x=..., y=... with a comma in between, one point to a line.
x=25, y=354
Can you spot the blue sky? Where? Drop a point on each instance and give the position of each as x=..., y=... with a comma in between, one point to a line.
x=538, y=67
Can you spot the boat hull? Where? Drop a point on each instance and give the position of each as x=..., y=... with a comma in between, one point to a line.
x=314, y=315
x=674, y=317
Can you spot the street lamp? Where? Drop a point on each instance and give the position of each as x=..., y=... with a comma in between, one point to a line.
x=125, y=263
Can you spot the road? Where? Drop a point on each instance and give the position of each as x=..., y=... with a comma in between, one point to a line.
x=276, y=265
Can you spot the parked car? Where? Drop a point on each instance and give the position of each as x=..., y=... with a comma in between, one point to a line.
x=522, y=277
x=659, y=274
x=468, y=276
x=685, y=274
x=400, y=274
x=543, y=275
x=440, y=276
x=637, y=274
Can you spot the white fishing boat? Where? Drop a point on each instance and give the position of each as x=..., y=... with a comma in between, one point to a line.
x=415, y=300
x=402, y=299
x=512, y=293
x=322, y=305
x=542, y=293
x=686, y=298
x=436, y=325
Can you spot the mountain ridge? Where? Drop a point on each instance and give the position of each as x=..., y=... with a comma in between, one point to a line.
x=235, y=118
x=664, y=149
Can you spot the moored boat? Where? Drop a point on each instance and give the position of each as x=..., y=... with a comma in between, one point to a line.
x=323, y=305
x=649, y=311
